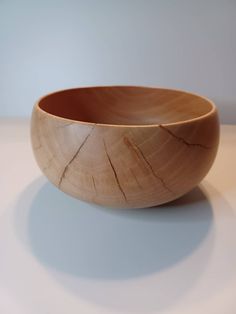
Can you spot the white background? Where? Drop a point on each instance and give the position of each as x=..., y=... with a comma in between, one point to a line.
x=48, y=45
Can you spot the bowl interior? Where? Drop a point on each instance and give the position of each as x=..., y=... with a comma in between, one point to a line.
x=125, y=105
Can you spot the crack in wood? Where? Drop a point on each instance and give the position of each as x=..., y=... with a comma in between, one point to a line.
x=135, y=178
x=94, y=185
x=181, y=139
x=139, y=154
x=114, y=172
x=74, y=157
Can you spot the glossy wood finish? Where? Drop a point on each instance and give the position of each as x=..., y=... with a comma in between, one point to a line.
x=125, y=146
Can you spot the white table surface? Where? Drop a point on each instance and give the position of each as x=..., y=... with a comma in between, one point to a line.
x=60, y=255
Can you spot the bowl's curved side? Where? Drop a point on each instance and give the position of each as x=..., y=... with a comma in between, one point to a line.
x=191, y=151
x=123, y=166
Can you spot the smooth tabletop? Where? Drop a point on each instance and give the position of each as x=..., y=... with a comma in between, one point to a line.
x=61, y=255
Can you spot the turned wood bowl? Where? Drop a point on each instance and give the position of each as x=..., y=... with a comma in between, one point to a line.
x=124, y=146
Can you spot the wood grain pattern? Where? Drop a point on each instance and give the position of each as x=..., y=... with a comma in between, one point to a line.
x=124, y=146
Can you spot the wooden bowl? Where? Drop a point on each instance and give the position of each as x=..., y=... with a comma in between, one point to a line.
x=125, y=146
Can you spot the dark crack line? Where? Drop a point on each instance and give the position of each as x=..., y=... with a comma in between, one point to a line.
x=139, y=152
x=138, y=184
x=94, y=185
x=181, y=139
x=74, y=157
x=115, y=173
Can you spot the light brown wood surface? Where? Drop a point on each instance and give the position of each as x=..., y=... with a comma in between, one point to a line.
x=124, y=146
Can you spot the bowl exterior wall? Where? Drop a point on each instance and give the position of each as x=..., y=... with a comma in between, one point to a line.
x=124, y=166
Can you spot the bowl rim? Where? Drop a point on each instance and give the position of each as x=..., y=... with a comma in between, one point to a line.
x=201, y=117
